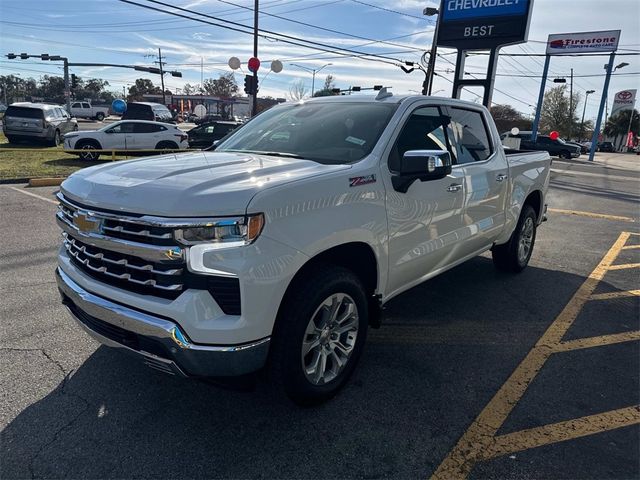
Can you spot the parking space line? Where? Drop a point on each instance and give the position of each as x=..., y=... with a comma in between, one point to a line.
x=481, y=433
x=592, y=215
x=599, y=341
x=612, y=295
x=624, y=267
x=631, y=247
x=561, y=431
x=39, y=197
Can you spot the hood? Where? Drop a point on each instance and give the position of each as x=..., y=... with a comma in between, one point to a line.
x=187, y=185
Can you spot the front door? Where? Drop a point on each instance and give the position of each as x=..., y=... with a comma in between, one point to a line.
x=426, y=221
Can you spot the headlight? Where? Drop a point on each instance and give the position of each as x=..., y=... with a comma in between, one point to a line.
x=223, y=233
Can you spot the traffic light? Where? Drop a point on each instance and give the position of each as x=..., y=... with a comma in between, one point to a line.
x=44, y=56
x=24, y=56
x=356, y=89
x=11, y=56
x=377, y=87
x=250, y=85
x=74, y=80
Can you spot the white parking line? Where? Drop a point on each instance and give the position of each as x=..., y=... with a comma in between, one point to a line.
x=39, y=197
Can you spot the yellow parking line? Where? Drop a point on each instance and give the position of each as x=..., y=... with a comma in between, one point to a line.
x=631, y=247
x=597, y=341
x=624, y=267
x=561, y=431
x=592, y=215
x=612, y=295
x=480, y=434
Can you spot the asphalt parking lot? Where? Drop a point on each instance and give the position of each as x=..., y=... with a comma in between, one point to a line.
x=473, y=374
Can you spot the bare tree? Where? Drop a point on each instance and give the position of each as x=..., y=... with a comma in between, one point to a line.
x=297, y=91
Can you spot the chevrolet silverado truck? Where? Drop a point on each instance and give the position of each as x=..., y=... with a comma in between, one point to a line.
x=87, y=110
x=280, y=248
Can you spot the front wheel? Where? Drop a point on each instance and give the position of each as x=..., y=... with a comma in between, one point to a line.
x=319, y=335
x=88, y=152
x=514, y=255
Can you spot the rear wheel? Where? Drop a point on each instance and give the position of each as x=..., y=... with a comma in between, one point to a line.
x=57, y=139
x=514, y=255
x=88, y=152
x=100, y=116
x=167, y=147
x=566, y=154
x=319, y=335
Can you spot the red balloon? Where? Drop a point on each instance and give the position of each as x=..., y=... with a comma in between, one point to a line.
x=253, y=64
x=554, y=135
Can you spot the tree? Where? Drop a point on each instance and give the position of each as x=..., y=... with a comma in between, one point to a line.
x=143, y=86
x=297, y=91
x=224, y=87
x=507, y=117
x=555, y=113
x=188, y=89
x=618, y=125
x=327, y=89
x=51, y=88
x=16, y=88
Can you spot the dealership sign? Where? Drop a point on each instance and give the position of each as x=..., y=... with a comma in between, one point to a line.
x=624, y=100
x=483, y=24
x=584, y=42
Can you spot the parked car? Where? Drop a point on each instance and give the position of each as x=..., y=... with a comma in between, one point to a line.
x=544, y=143
x=204, y=135
x=37, y=121
x=606, y=147
x=280, y=248
x=586, y=147
x=579, y=145
x=126, y=135
x=86, y=110
x=207, y=119
x=155, y=112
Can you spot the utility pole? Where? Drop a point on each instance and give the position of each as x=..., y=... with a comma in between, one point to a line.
x=571, y=104
x=164, y=100
x=254, y=108
x=67, y=90
x=431, y=67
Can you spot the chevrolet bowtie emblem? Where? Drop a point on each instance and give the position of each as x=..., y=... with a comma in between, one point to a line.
x=86, y=224
x=174, y=253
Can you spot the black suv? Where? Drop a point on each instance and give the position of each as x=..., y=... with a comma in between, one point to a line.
x=204, y=135
x=606, y=147
x=155, y=112
x=558, y=147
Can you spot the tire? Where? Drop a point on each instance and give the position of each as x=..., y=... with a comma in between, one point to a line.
x=514, y=255
x=566, y=155
x=100, y=116
x=12, y=140
x=56, y=141
x=303, y=324
x=89, y=156
x=166, y=146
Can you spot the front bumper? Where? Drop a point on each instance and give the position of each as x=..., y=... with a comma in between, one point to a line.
x=160, y=342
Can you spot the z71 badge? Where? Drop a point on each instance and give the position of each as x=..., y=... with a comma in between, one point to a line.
x=357, y=181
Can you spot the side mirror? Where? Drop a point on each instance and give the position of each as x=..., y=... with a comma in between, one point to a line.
x=109, y=131
x=421, y=165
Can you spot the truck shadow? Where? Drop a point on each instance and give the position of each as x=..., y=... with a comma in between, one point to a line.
x=408, y=402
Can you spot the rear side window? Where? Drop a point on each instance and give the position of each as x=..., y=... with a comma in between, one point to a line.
x=470, y=136
x=24, y=112
x=147, y=128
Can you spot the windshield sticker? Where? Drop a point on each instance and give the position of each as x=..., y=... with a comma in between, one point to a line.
x=357, y=181
x=357, y=141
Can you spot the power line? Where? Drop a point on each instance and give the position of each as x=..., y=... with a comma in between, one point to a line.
x=387, y=9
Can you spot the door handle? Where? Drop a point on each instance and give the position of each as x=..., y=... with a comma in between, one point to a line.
x=454, y=187
x=501, y=178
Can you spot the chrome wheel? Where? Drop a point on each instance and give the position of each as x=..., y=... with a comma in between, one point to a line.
x=88, y=155
x=526, y=240
x=330, y=338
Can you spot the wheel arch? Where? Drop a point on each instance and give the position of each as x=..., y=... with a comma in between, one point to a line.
x=360, y=258
x=534, y=199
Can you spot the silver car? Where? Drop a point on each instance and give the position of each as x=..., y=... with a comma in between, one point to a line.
x=37, y=121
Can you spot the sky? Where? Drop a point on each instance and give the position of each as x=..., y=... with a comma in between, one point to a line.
x=110, y=31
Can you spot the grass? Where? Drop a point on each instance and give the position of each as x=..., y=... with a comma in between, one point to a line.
x=37, y=161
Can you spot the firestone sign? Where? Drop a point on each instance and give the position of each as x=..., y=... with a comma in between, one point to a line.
x=483, y=24
x=584, y=42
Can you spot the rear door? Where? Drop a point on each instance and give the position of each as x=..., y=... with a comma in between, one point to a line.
x=146, y=135
x=485, y=171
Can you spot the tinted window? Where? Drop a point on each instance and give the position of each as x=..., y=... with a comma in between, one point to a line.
x=85, y=105
x=326, y=132
x=423, y=131
x=126, y=127
x=76, y=105
x=470, y=136
x=147, y=128
x=24, y=112
x=136, y=111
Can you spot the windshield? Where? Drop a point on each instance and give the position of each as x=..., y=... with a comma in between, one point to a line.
x=325, y=132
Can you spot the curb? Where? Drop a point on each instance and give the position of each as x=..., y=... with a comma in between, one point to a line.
x=13, y=180
x=46, y=182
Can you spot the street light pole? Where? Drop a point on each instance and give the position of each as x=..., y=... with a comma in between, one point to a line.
x=571, y=105
x=429, y=11
x=586, y=97
x=254, y=108
x=313, y=74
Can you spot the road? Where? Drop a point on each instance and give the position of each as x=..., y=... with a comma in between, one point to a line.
x=473, y=374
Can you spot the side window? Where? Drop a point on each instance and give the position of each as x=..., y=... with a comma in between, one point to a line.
x=143, y=128
x=423, y=130
x=75, y=105
x=469, y=135
x=85, y=105
x=125, y=127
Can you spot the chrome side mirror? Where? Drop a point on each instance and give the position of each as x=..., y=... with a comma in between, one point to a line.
x=423, y=165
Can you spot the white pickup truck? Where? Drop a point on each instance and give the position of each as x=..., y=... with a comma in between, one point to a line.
x=280, y=247
x=86, y=110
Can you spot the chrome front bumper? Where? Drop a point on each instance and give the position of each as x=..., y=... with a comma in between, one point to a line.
x=160, y=342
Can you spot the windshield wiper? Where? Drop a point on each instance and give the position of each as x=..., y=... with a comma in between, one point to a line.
x=272, y=154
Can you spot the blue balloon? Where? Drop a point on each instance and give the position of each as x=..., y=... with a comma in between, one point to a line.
x=119, y=106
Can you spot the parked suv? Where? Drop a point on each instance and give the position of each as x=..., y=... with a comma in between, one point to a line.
x=606, y=147
x=155, y=112
x=37, y=121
